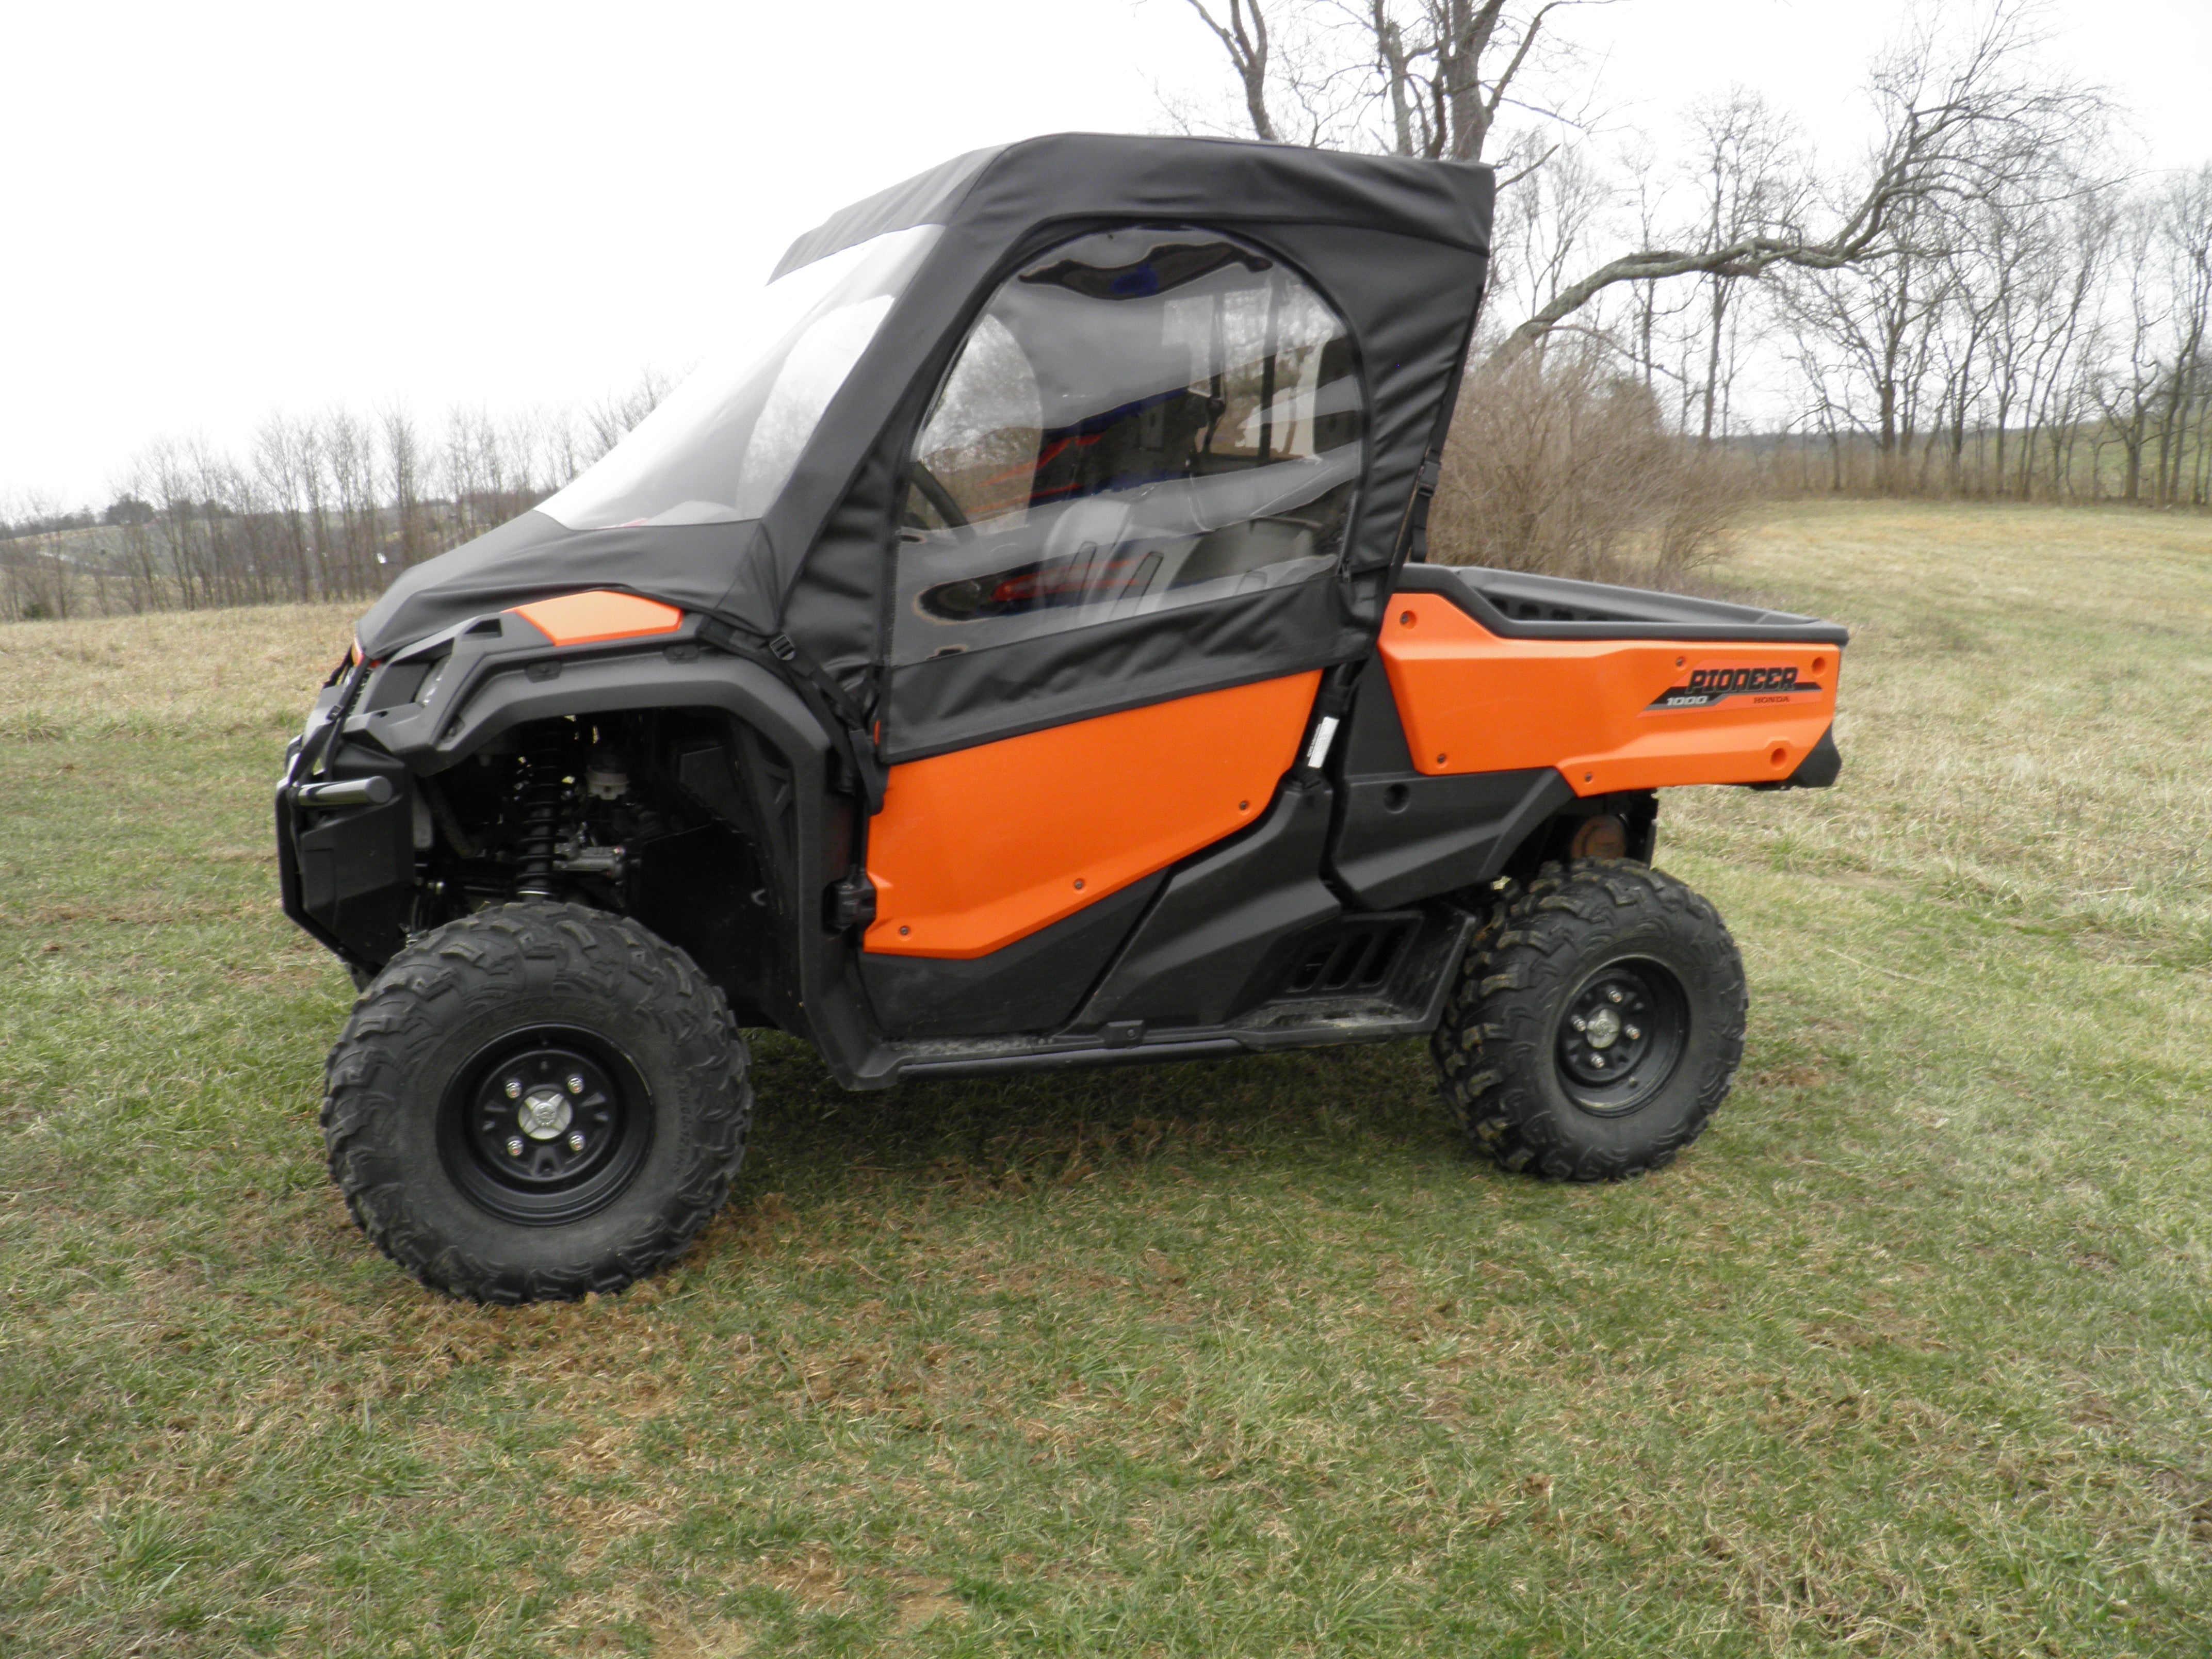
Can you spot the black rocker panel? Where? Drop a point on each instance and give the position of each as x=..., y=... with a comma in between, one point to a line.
x=1032, y=985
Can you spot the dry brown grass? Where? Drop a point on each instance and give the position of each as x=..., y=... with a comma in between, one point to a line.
x=168, y=674
x=2026, y=706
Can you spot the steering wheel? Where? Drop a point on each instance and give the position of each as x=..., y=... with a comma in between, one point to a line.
x=934, y=492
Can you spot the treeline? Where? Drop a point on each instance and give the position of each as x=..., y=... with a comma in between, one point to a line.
x=324, y=506
x=2059, y=348
x=2048, y=337
x=1991, y=298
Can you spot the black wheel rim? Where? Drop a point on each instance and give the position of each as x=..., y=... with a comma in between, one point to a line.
x=546, y=1126
x=1621, y=1036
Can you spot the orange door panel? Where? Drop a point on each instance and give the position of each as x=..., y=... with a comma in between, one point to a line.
x=980, y=847
x=1610, y=715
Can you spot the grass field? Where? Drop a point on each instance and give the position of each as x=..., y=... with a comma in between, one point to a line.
x=1910, y=1355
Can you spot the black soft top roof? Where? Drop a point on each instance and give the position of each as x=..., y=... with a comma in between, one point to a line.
x=1398, y=244
x=1220, y=177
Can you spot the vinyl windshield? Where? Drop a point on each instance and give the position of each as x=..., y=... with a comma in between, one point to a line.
x=722, y=447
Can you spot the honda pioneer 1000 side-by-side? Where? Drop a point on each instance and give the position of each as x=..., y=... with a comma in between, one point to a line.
x=1017, y=650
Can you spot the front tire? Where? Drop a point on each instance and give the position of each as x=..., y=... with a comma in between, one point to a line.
x=1596, y=1025
x=535, y=1102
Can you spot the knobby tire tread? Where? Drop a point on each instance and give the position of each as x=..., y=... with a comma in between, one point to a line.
x=1492, y=1046
x=502, y=953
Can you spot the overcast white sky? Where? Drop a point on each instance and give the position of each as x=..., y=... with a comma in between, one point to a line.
x=218, y=210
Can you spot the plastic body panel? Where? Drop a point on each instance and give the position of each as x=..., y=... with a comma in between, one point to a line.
x=1401, y=835
x=1200, y=955
x=600, y=614
x=985, y=845
x=1032, y=985
x=1611, y=714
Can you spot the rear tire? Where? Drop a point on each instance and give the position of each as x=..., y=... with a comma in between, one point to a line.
x=1596, y=1025
x=535, y=1102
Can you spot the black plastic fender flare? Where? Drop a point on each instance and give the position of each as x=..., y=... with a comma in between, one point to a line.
x=612, y=684
x=825, y=837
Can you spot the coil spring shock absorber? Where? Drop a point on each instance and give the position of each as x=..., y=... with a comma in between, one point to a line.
x=544, y=801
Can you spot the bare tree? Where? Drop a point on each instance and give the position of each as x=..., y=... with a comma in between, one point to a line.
x=37, y=569
x=349, y=462
x=403, y=466
x=2185, y=236
x=315, y=485
x=611, y=416
x=280, y=462
x=2061, y=372
x=2128, y=386
x=1418, y=77
x=133, y=516
x=1750, y=181
x=1651, y=321
x=1547, y=223
x=1867, y=336
x=1243, y=32
x=1960, y=113
x=1959, y=121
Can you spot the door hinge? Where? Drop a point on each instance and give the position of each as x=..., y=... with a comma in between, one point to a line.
x=850, y=902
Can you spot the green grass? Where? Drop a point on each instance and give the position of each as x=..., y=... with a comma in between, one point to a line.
x=1910, y=1355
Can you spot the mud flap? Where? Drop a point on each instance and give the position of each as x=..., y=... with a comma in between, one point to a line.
x=1822, y=765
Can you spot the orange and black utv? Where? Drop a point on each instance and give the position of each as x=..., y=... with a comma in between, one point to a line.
x=1015, y=650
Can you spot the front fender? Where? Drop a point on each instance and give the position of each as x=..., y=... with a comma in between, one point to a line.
x=498, y=691
x=516, y=695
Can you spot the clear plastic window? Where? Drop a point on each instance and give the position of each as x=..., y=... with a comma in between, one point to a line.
x=723, y=446
x=1141, y=419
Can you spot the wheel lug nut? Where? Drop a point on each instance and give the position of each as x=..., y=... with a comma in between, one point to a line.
x=514, y=1146
x=1633, y=1033
x=514, y=1088
x=575, y=1142
x=576, y=1084
x=1598, y=1061
x=1581, y=1025
x=1612, y=996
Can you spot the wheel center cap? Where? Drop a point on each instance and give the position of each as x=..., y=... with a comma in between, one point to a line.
x=544, y=1114
x=1603, y=1029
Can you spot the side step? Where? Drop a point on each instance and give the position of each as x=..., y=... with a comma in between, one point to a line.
x=1364, y=980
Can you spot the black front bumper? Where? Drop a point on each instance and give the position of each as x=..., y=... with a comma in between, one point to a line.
x=346, y=874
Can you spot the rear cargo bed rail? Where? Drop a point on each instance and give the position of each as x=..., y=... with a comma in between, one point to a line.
x=1515, y=604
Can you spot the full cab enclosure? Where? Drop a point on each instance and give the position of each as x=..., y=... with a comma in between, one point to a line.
x=1014, y=648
